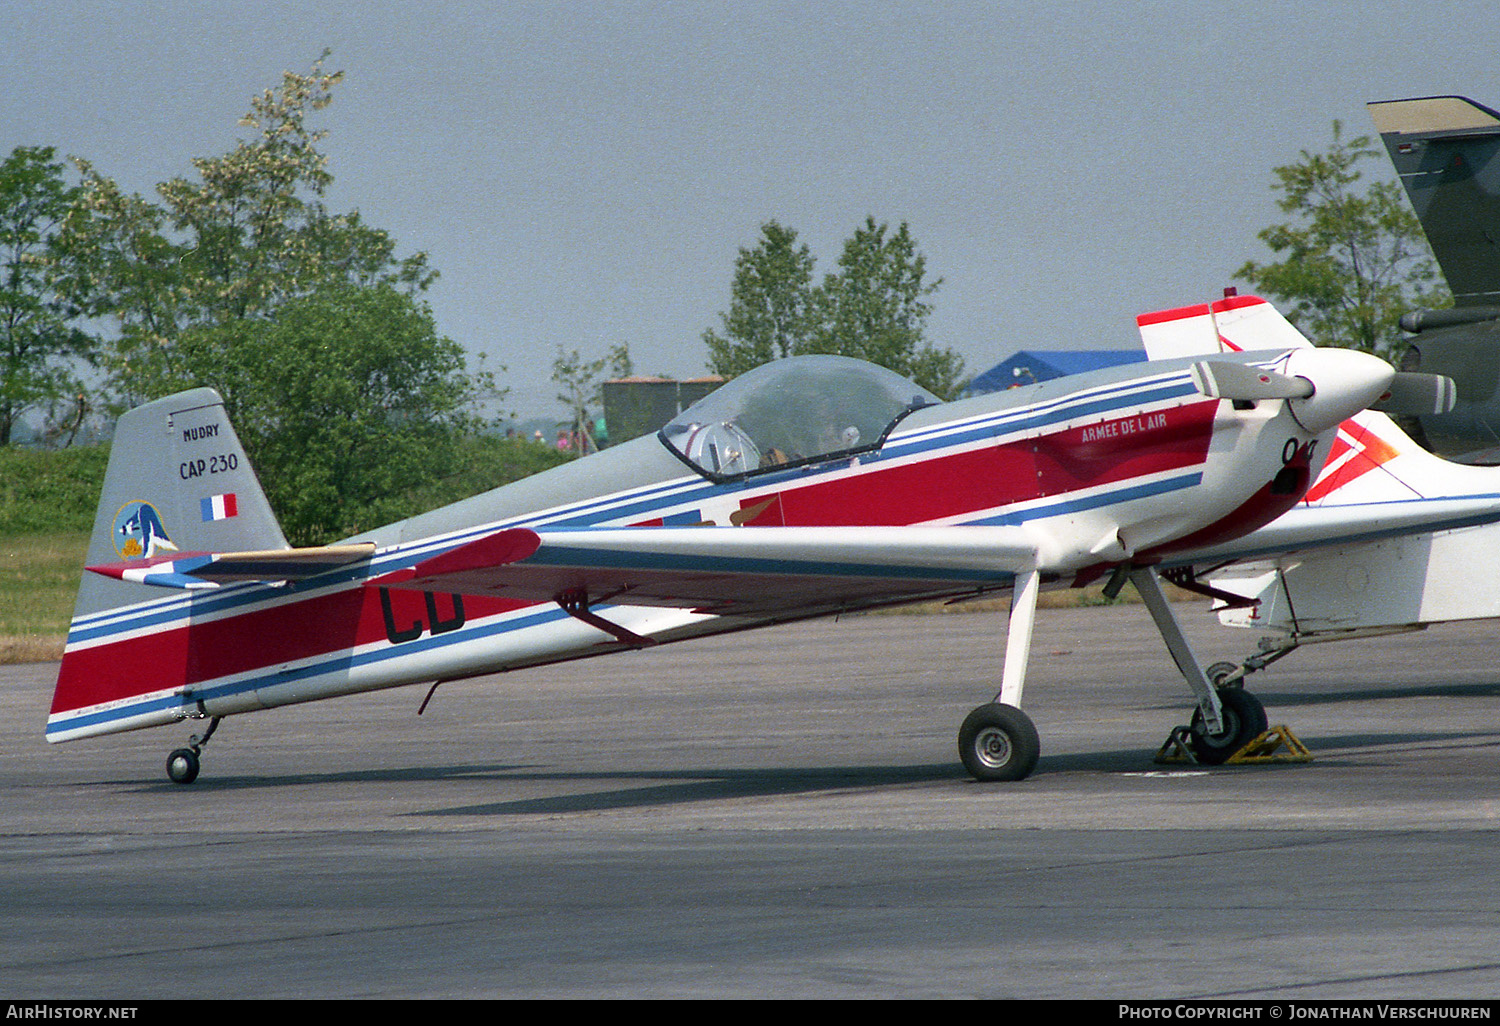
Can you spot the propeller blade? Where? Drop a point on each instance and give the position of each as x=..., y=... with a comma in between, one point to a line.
x=1418, y=394
x=1238, y=381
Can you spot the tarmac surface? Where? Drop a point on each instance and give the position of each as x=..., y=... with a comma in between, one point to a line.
x=779, y=814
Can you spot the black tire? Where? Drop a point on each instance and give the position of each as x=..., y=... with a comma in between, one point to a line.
x=998, y=742
x=1244, y=720
x=182, y=766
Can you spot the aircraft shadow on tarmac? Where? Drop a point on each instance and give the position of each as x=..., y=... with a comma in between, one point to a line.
x=624, y=789
x=667, y=787
x=1311, y=693
x=1389, y=692
x=677, y=787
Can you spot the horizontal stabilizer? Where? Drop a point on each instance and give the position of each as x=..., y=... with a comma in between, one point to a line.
x=1246, y=383
x=1414, y=579
x=728, y=570
x=1418, y=395
x=195, y=570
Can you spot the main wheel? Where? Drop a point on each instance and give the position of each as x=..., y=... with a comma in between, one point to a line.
x=998, y=742
x=1244, y=720
x=182, y=766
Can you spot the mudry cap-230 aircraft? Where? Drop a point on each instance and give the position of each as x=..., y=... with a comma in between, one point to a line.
x=806, y=487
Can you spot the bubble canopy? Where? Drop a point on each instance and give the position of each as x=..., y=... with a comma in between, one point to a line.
x=787, y=412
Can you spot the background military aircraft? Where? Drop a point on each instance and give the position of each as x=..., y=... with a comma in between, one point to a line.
x=1445, y=150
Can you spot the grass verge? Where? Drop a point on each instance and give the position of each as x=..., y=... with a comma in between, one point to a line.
x=38, y=583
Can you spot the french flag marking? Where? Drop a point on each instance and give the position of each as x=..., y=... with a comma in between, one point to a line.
x=219, y=507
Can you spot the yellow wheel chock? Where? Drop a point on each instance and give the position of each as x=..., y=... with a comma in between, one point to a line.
x=1267, y=747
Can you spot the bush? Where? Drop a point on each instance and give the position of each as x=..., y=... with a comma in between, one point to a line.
x=50, y=491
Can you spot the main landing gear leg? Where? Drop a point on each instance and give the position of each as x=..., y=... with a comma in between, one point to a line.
x=1226, y=720
x=182, y=765
x=998, y=741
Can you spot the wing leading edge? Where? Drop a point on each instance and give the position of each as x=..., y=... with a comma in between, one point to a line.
x=727, y=570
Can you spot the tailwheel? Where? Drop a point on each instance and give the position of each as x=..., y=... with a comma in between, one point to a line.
x=182, y=766
x=1244, y=720
x=998, y=742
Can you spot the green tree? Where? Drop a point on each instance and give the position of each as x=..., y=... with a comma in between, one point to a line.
x=357, y=402
x=41, y=345
x=581, y=384
x=250, y=234
x=1353, y=260
x=874, y=308
x=772, y=308
x=478, y=462
x=305, y=320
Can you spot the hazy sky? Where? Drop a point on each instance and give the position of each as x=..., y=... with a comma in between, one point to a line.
x=583, y=173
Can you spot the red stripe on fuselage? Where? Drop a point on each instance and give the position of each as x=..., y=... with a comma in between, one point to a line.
x=1121, y=448
x=1104, y=452
x=242, y=642
x=916, y=492
x=1272, y=500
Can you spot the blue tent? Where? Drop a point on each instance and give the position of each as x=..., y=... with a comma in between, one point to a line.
x=1032, y=365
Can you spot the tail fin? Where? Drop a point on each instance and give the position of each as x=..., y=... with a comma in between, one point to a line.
x=1229, y=325
x=1444, y=149
x=178, y=480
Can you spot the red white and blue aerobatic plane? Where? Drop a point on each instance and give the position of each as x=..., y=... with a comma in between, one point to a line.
x=807, y=487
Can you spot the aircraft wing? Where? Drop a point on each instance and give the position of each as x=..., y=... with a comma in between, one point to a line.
x=724, y=570
x=727, y=570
